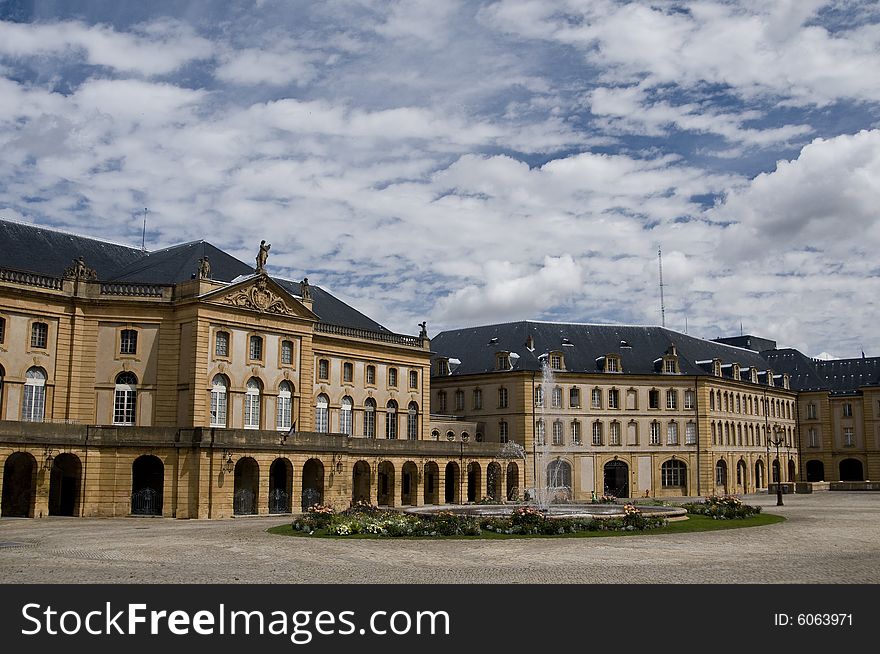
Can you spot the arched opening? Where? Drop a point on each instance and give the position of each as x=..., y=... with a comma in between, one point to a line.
x=474, y=481
x=147, y=485
x=775, y=470
x=246, y=486
x=322, y=414
x=252, y=403
x=125, y=399
x=493, y=481
x=559, y=481
x=512, y=482
x=219, y=397
x=19, y=486
x=409, y=484
x=312, y=483
x=432, y=483
x=284, y=407
x=851, y=470
x=759, y=475
x=385, y=493
x=721, y=475
x=360, y=482
x=345, y=416
x=64, y=485
x=792, y=470
x=673, y=475
x=391, y=420
x=33, y=402
x=412, y=422
x=453, y=491
x=741, y=477
x=616, y=479
x=280, y=485
x=815, y=470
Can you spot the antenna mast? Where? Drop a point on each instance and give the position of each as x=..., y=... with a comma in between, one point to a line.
x=662, y=303
x=144, y=234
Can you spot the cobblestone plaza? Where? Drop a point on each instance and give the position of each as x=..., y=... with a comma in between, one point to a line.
x=828, y=537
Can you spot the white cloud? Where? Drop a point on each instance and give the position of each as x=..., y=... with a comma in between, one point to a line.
x=259, y=66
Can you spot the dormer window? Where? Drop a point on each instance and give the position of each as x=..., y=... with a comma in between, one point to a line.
x=612, y=363
x=442, y=367
x=670, y=365
x=556, y=361
x=753, y=375
x=530, y=343
x=785, y=381
x=716, y=367
x=502, y=361
x=770, y=378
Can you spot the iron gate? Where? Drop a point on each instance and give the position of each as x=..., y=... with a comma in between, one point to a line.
x=243, y=502
x=147, y=501
x=279, y=501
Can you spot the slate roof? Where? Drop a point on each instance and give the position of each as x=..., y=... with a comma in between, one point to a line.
x=839, y=376
x=49, y=252
x=583, y=345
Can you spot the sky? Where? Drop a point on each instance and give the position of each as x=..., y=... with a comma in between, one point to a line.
x=467, y=162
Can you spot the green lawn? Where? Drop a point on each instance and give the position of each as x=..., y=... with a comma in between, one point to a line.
x=693, y=523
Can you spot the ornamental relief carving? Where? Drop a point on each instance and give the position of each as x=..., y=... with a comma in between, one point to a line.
x=259, y=298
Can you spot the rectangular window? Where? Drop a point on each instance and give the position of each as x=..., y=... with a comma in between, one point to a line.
x=556, y=398
x=655, y=433
x=502, y=398
x=39, y=335
x=654, y=399
x=576, y=433
x=556, y=361
x=347, y=372
x=848, y=440
x=33, y=403
x=671, y=400
x=413, y=379
x=596, y=398
x=369, y=422
x=412, y=425
x=251, y=411
x=283, y=414
x=597, y=433
x=539, y=432
x=690, y=434
x=614, y=433
x=689, y=399
x=392, y=376
x=218, y=408
x=672, y=433
x=478, y=398
x=574, y=398
x=255, y=352
x=323, y=369
x=502, y=432
x=371, y=375
x=539, y=396
x=459, y=400
x=286, y=353
x=502, y=361
x=814, y=437
x=811, y=411
x=2, y=330
x=557, y=433
x=614, y=399
x=669, y=366
x=128, y=341
x=847, y=410
x=123, y=406
x=322, y=419
x=441, y=401
x=611, y=364
x=221, y=344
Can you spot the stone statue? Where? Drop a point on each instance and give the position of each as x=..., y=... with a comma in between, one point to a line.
x=204, y=268
x=424, y=332
x=79, y=270
x=263, y=256
x=305, y=291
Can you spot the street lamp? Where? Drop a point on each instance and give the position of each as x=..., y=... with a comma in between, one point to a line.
x=776, y=442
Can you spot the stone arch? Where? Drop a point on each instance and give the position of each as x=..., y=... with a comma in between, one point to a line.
x=147, y=485
x=385, y=478
x=246, y=486
x=409, y=484
x=360, y=482
x=851, y=470
x=759, y=474
x=512, y=482
x=280, y=485
x=474, y=481
x=792, y=470
x=493, y=481
x=558, y=480
x=815, y=470
x=312, y=483
x=453, y=483
x=19, y=485
x=432, y=483
x=615, y=475
x=65, y=485
x=721, y=475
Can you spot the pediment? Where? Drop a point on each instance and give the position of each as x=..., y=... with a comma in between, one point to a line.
x=261, y=295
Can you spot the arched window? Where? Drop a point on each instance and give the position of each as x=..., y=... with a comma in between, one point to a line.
x=559, y=474
x=345, y=421
x=391, y=420
x=721, y=473
x=322, y=414
x=412, y=422
x=370, y=418
x=252, y=404
x=219, y=388
x=34, y=401
x=284, y=413
x=539, y=396
x=125, y=399
x=673, y=473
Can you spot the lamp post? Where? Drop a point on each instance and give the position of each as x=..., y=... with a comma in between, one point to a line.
x=776, y=441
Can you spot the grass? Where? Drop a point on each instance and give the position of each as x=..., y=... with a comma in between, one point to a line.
x=694, y=523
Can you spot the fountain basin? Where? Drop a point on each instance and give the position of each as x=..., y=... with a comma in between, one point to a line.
x=582, y=511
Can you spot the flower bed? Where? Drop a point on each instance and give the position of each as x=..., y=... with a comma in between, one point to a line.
x=524, y=520
x=722, y=507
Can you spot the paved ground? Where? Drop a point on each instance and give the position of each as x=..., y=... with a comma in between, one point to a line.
x=829, y=537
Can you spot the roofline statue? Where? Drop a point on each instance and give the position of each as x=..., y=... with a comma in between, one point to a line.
x=262, y=257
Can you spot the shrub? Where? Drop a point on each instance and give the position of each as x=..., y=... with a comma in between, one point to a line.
x=722, y=507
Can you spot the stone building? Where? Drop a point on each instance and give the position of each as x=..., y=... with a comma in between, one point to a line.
x=621, y=410
x=184, y=382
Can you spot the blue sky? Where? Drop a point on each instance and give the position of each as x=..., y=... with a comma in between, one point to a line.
x=472, y=162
